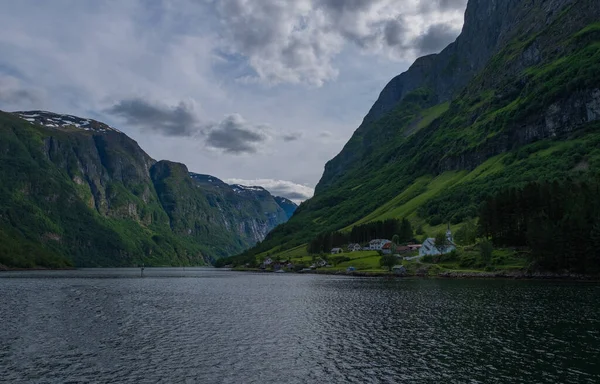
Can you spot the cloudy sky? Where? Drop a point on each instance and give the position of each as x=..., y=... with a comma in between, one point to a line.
x=259, y=92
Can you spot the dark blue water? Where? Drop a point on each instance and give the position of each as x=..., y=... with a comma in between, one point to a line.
x=208, y=326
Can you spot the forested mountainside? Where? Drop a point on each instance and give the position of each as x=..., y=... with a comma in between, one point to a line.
x=76, y=192
x=514, y=100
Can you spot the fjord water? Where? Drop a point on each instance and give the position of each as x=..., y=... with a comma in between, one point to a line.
x=211, y=326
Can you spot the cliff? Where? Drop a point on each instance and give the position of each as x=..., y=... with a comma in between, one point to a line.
x=78, y=192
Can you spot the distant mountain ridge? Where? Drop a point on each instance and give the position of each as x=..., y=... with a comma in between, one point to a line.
x=76, y=191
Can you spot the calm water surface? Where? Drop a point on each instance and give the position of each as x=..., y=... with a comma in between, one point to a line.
x=212, y=326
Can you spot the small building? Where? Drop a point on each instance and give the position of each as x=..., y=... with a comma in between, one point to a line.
x=430, y=249
x=354, y=247
x=403, y=249
x=387, y=248
x=414, y=247
x=337, y=251
x=377, y=244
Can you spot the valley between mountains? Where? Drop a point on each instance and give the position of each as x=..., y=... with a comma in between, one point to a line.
x=496, y=137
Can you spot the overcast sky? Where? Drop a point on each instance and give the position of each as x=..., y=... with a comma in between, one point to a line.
x=258, y=92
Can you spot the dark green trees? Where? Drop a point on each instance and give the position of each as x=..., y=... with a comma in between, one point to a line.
x=364, y=233
x=560, y=222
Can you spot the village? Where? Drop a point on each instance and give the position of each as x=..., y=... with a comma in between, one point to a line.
x=354, y=257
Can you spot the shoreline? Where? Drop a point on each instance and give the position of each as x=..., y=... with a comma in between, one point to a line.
x=511, y=275
x=4, y=268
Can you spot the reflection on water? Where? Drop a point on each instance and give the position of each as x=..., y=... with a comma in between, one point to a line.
x=203, y=325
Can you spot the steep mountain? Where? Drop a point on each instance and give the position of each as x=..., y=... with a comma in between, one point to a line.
x=78, y=192
x=515, y=99
x=288, y=206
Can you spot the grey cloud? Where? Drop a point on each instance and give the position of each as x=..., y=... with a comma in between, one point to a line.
x=442, y=5
x=346, y=5
x=235, y=135
x=325, y=134
x=394, y=32
x=18, y=97
x=436, y=38
x=13, y=93
x=293, y=136
x=232, y=135
x=179, y=120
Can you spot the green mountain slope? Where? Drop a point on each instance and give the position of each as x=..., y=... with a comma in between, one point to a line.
x=515, y=99
x=76, y=192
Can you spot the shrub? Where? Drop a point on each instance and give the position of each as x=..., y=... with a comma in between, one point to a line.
x=467, y=261
x=428, y=259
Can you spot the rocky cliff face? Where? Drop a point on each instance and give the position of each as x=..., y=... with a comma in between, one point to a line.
x=520, y=82
x=91, y=196
x=489, y=26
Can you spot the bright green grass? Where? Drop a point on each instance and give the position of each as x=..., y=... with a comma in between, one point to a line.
x=400, y=207
x=362, y=263
x=429, y=115
x=490, y=166
x=592, y=28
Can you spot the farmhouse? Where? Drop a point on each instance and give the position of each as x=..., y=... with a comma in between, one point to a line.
x=377, y=244
x=429, y=247
x=354, y=247
x=337, y=251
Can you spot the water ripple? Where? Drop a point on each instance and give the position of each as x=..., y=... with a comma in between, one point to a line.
x=174, y=326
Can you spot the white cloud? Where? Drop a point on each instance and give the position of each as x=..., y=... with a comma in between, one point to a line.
x=288, y=189
x=296, y=42
x=169, y=72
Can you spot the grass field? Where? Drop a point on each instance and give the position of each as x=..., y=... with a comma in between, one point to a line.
x=467, y=260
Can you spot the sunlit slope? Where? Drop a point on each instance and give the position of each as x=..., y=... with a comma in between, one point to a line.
x=529, y=114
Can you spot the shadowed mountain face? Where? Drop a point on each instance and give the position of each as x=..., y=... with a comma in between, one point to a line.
x=515, y=99
x=78, y=192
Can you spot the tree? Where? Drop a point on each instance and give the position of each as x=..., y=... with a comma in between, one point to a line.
x=395, y=242
x=441, y=242
x=419, y=230
x=387, y=261
x=467, y=234
x=406, y=231
x=486, y=249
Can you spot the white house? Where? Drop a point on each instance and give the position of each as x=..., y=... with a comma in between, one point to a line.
x=336, y=251
x=377, y=244
x=354, y=247
x=429, y=249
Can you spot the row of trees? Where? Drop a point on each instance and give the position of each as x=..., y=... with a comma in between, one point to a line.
x=559, y=222
x=400, y=230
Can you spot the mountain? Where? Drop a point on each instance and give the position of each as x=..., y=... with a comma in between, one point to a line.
x=288, y=206
x=78, y=192
x=515, y=99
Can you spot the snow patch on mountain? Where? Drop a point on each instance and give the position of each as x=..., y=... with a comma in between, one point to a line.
x=55, y=120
